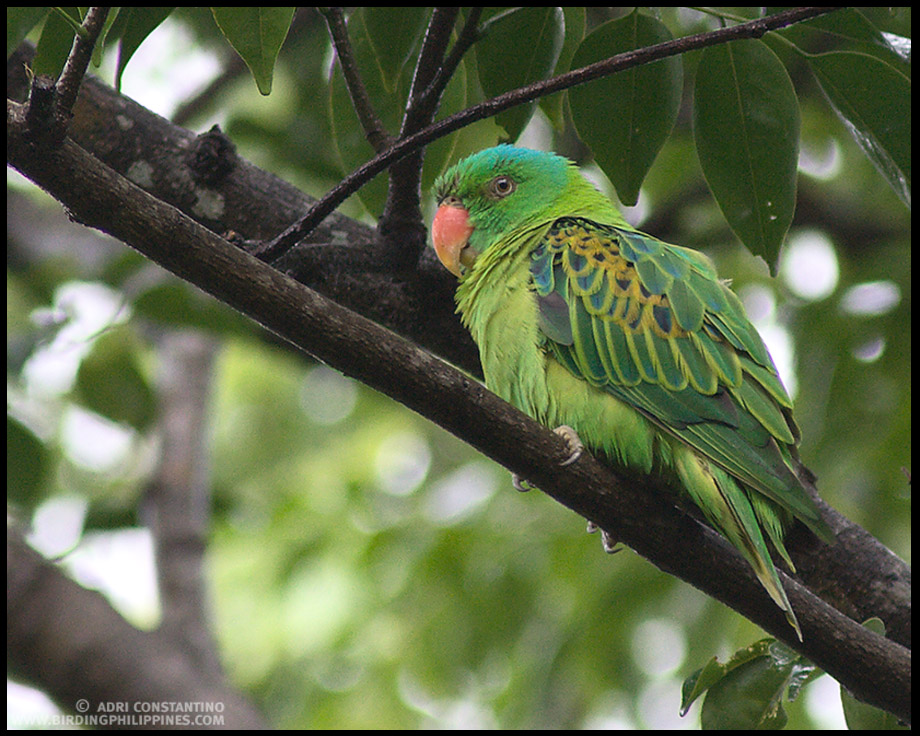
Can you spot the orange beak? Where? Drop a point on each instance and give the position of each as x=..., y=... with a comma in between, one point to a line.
x=450, y=232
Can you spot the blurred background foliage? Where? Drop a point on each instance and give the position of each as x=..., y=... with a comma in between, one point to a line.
x=367, y=569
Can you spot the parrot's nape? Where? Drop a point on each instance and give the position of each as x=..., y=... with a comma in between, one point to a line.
x=636, y=344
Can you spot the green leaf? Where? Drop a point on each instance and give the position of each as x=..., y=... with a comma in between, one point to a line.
x=27, y=465
x=749, y=698
x=626, y=118
x=553, y=106
x=55, y=42
x=746, y=125
x=747, y=691
x=519, y=47
x=713, y=671
x=133, y=26
x=257, y=35
x=110, y=382
x=848, y=29
x=873, y=100
x=19, y=22
x=864, y=717
x=394, y=35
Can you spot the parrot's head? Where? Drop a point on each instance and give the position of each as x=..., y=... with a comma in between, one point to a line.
x=492, y=194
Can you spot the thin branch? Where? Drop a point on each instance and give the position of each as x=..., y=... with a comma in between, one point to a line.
x=374, y=129
x=401, y=232
x=469, y=34
x=68, y=84
x=627, y=60
x=420, y=109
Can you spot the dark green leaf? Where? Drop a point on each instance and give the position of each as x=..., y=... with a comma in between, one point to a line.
x=748, y=698
x=394, y=35
x=519, y=48
x=19, y=22
x=553, y=106
x=111, y=383
x=55, y=42
x=257, y=35
x=873, y=100
x=133, y=26
x=713, y=671
x=746, y=126
x=27, y=464
x=848, y=29
x=626, y=118
x=747, y=691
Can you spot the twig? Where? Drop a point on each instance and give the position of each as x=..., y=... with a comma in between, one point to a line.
x=627, y=60
x=374, y=129
x=400, y=227
x=68, y=84
x=421, y=108
x=469, y=34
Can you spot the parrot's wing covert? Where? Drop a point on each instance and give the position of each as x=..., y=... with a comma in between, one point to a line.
x=651, y=324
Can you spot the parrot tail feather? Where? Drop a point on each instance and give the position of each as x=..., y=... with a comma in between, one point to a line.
x=738, y=517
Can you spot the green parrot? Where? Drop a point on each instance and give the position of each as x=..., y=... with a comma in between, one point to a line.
x=636, y=344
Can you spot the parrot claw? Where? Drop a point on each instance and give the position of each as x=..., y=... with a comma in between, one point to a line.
x=576, y=448
x=520, y=484
x=607, y=539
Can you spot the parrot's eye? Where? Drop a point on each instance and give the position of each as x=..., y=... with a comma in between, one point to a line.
x=502, y=186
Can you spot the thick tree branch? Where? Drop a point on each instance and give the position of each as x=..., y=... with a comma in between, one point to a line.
x=61, y=635
x=211, y=184
x=875, y=669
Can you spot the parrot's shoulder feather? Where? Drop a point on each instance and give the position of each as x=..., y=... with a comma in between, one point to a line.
x=652, y=324
x=673, y=321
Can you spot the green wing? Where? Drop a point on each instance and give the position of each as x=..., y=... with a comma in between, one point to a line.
x=652, y=324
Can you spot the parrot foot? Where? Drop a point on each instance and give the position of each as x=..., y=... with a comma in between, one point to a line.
x=611, y=543
x=576, y=448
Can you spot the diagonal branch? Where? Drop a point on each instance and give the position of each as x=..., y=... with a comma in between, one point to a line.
x=875, y=669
